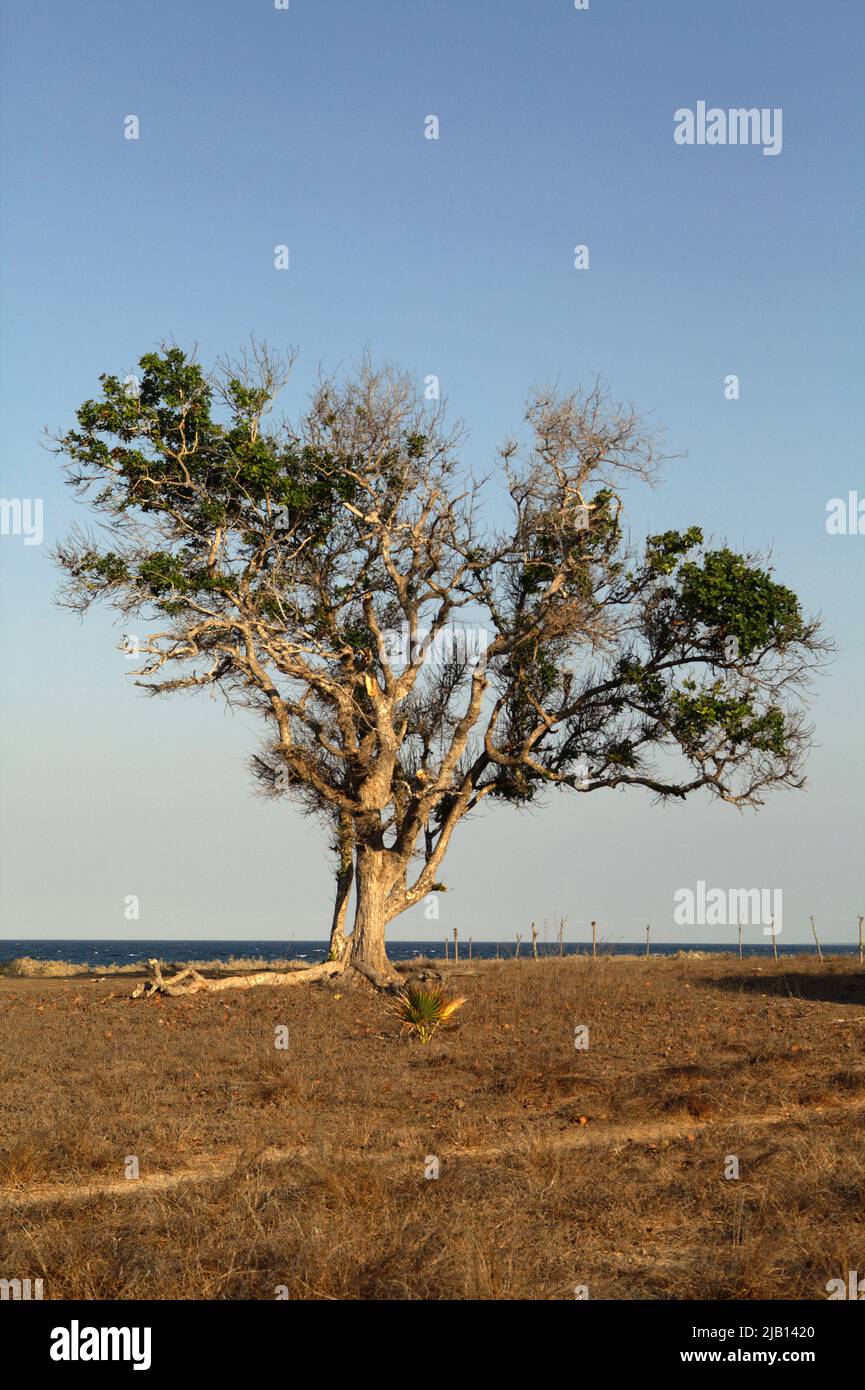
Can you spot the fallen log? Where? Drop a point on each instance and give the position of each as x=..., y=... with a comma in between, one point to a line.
x=191, y=981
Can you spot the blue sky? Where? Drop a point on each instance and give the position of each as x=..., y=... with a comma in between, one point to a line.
x=305, y=127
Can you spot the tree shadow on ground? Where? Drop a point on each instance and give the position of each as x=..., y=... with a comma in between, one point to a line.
x=846, y=987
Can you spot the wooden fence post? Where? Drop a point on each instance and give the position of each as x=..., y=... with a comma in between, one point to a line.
x=819, y=950
x=594, y=939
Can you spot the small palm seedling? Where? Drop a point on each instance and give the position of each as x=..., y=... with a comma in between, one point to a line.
x=422, y=1010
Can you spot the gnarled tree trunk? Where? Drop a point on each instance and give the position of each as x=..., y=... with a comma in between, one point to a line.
x=367, y=952
x=344, y=848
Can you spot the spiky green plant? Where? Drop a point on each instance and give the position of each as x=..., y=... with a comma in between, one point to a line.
x=422, y=1010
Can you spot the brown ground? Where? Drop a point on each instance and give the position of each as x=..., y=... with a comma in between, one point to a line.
x=304, y=1169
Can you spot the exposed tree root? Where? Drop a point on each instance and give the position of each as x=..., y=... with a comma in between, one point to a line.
x=190, y=981
x=388, y=982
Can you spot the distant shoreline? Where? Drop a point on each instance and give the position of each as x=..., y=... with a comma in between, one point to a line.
x=22, y=957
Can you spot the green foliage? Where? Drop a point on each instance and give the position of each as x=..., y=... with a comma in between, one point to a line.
x=422, y=1011
x=698, y=712
x=742, y=601
x=164, y=450
x=279, y=555
x=160, y=451
x=663, y=552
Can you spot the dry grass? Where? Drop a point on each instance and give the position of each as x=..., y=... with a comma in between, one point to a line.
x=26, y=967
x=558, y=1167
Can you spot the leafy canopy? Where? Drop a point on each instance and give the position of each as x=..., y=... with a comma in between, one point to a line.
x=278, y=562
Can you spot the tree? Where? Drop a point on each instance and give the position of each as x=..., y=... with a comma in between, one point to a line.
x=409, y=662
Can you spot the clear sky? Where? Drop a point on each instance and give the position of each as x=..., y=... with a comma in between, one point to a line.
x=306, y=127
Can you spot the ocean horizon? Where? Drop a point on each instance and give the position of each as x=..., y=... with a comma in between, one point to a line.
x=127, y=951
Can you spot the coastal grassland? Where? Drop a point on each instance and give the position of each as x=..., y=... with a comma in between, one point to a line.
x=303, y=1169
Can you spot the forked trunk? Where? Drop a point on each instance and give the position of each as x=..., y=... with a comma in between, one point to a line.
x=345, y=876
x=367, y=944
x=338, y=938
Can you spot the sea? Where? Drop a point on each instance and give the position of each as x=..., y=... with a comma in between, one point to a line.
x=130, y=950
